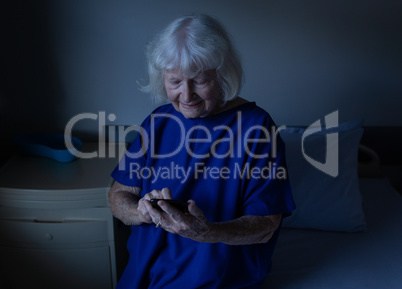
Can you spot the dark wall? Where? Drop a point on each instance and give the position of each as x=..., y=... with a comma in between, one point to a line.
x=30, y=92
x=303, y=59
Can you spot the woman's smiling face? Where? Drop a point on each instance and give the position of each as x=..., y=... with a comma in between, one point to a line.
x=193, y=97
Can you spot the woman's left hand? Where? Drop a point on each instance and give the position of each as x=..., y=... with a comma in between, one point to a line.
x=244, y=230
x=193, y=225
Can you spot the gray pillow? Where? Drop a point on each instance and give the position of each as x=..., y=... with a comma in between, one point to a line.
x=324, y=201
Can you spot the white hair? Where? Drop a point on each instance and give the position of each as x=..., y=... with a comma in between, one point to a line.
x=194, y=44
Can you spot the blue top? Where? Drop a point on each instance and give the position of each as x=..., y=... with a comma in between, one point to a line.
x=231, y=164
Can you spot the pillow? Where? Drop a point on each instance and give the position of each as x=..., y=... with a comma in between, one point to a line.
x=326, y=199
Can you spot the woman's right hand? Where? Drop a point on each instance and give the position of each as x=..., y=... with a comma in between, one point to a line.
x=143, y=213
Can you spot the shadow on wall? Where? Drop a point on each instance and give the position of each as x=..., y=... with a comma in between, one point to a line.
x=30, y=90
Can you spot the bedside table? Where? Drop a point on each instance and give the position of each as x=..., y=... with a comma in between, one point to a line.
x=56, y=229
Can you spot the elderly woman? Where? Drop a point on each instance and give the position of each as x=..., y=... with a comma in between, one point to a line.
x=211, y=148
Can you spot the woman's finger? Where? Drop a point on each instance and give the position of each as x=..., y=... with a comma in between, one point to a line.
x=143, y=211
x=194, y=210
x=166, y=193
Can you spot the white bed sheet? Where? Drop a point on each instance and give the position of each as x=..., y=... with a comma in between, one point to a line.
x=318, y=259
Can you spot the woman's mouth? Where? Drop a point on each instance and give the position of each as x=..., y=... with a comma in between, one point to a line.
x=190, y=105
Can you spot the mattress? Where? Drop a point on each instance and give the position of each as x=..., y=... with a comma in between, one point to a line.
x=316, y=259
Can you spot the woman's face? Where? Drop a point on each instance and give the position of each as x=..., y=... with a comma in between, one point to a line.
x=193, y=97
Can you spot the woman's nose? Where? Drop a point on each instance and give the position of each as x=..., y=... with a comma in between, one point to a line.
x=187, y=91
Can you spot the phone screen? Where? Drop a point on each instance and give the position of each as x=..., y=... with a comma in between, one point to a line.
x=178, y=204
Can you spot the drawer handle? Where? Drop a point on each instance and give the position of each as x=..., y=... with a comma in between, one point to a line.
x=48, y=221
x=48, y=236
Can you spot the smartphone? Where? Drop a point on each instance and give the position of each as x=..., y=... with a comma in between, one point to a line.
x=178, y=204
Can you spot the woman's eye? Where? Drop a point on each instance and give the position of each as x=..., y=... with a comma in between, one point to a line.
x=200, y=82
x=175, y=82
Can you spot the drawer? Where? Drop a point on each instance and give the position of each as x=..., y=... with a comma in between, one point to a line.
x=62, y=199
x=30, y=233
x=28, y=268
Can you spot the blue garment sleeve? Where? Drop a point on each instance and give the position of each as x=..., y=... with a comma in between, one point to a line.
x=266, y=183
x=128, y=170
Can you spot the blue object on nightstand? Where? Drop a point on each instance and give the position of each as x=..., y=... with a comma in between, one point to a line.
x=48, y=145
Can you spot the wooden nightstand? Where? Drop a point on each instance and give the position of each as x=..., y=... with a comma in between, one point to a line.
x=56, y=229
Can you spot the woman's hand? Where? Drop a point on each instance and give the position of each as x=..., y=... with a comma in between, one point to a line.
x=194, y=225
x=191, y=225
x=144, y=205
